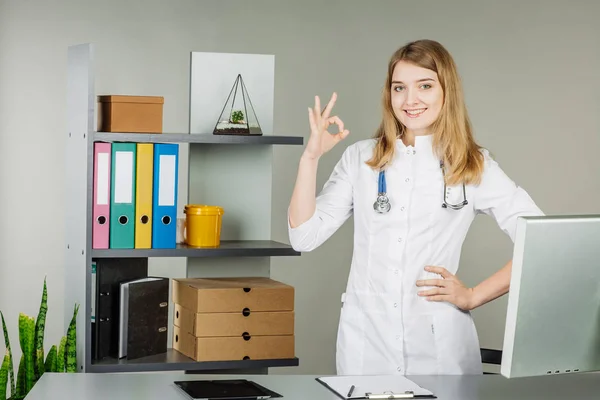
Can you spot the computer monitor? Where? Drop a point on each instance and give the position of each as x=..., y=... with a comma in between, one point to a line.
x=553, y=315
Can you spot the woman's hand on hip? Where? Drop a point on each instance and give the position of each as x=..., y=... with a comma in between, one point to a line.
x=449, y=289
x=321, y=140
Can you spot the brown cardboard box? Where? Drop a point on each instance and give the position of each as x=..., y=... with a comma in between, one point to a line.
x=132, y=114
x=262, y=323
x=233, y=348
x=218, y=319
x=222, y=295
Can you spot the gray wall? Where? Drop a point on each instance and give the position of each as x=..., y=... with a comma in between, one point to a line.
x=530, y=71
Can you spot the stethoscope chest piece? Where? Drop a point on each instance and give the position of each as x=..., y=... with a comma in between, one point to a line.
x=382, y=204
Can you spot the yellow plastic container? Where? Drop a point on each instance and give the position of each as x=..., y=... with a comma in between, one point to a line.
x=203, y=225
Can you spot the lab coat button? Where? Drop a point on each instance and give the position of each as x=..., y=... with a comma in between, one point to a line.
x=401, y=208
x=399, y=239
x=407, y=179
x=395, y=305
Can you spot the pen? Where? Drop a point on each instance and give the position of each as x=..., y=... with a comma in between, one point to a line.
x=350, y=391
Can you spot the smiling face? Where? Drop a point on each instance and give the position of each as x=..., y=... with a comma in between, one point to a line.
x=416, y=97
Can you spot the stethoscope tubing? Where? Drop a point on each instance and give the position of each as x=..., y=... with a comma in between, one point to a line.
x=382, y=203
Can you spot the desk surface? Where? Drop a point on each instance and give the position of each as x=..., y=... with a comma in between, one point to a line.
x=150, y=386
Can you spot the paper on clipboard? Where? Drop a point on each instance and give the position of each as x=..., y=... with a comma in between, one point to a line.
x=375, y=387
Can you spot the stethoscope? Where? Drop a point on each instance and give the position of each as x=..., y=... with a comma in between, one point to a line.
x=382, y=204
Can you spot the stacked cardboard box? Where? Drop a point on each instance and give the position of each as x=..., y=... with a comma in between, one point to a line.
x=225, y=319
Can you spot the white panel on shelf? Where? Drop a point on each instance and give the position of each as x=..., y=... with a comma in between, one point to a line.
x=237, y=178
x=212, y=78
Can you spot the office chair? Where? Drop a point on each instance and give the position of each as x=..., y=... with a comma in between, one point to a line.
x=491, y=356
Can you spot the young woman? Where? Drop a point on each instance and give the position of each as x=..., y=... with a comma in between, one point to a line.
x=414, y=190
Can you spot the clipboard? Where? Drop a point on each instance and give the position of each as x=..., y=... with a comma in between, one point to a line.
x=369, y=387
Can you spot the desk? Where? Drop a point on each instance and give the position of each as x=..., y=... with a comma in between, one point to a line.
x=151, y=386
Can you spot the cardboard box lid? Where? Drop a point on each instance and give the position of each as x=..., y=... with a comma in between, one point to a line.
x=233, y=294
x=233, y=283
x=131, y=99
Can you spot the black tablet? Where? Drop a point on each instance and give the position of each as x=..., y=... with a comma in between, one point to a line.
x=225, y=389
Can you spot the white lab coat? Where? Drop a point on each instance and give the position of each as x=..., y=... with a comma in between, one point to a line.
x=385, y=328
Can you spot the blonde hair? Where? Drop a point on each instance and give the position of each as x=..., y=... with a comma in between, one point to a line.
x=453, y=139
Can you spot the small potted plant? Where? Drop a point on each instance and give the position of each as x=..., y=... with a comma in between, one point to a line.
x=237, y=117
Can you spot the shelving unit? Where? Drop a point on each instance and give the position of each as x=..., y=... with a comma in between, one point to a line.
x=175, y=361
x=246, y=234
x=228, y=248
x=203, y=138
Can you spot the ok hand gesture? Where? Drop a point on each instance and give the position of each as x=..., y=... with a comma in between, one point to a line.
x=321, y=140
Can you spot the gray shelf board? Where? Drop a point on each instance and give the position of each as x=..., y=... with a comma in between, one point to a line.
x=203, y=138
x=227, y=248
x=173, y=360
